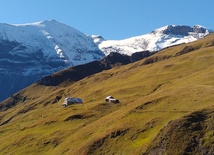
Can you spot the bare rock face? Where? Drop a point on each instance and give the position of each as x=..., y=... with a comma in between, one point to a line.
x=178, y=30
x=183, y=30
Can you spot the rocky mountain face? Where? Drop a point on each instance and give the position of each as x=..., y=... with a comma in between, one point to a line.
x=185, y=30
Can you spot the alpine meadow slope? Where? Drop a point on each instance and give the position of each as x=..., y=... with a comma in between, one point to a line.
x=166, y=101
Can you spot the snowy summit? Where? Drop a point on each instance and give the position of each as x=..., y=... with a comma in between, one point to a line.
x=49, y=43
x=158, y=39
x=30, y=51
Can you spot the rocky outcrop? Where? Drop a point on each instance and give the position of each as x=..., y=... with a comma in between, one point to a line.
x=188, y=135
x=184, y=30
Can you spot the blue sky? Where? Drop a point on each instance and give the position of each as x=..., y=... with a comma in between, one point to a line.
x=113, y=19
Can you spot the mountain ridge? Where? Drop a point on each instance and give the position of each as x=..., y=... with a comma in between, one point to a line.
x=156, y=40
x=74, y=74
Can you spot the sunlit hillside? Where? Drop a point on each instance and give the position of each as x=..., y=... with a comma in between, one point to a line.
x=169, y=94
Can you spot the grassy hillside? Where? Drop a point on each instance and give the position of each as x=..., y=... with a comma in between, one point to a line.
x=159, y=97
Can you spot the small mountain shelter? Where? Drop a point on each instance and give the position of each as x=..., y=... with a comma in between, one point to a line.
x=71, y=100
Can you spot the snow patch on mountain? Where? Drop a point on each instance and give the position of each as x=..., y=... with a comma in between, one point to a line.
x=97, y=39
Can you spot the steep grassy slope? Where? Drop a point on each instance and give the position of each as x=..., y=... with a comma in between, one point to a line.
x=160, y=97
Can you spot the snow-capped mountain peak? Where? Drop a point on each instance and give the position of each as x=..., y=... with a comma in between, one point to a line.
x=33, y=50
x=160, y=38
x=56, y=42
